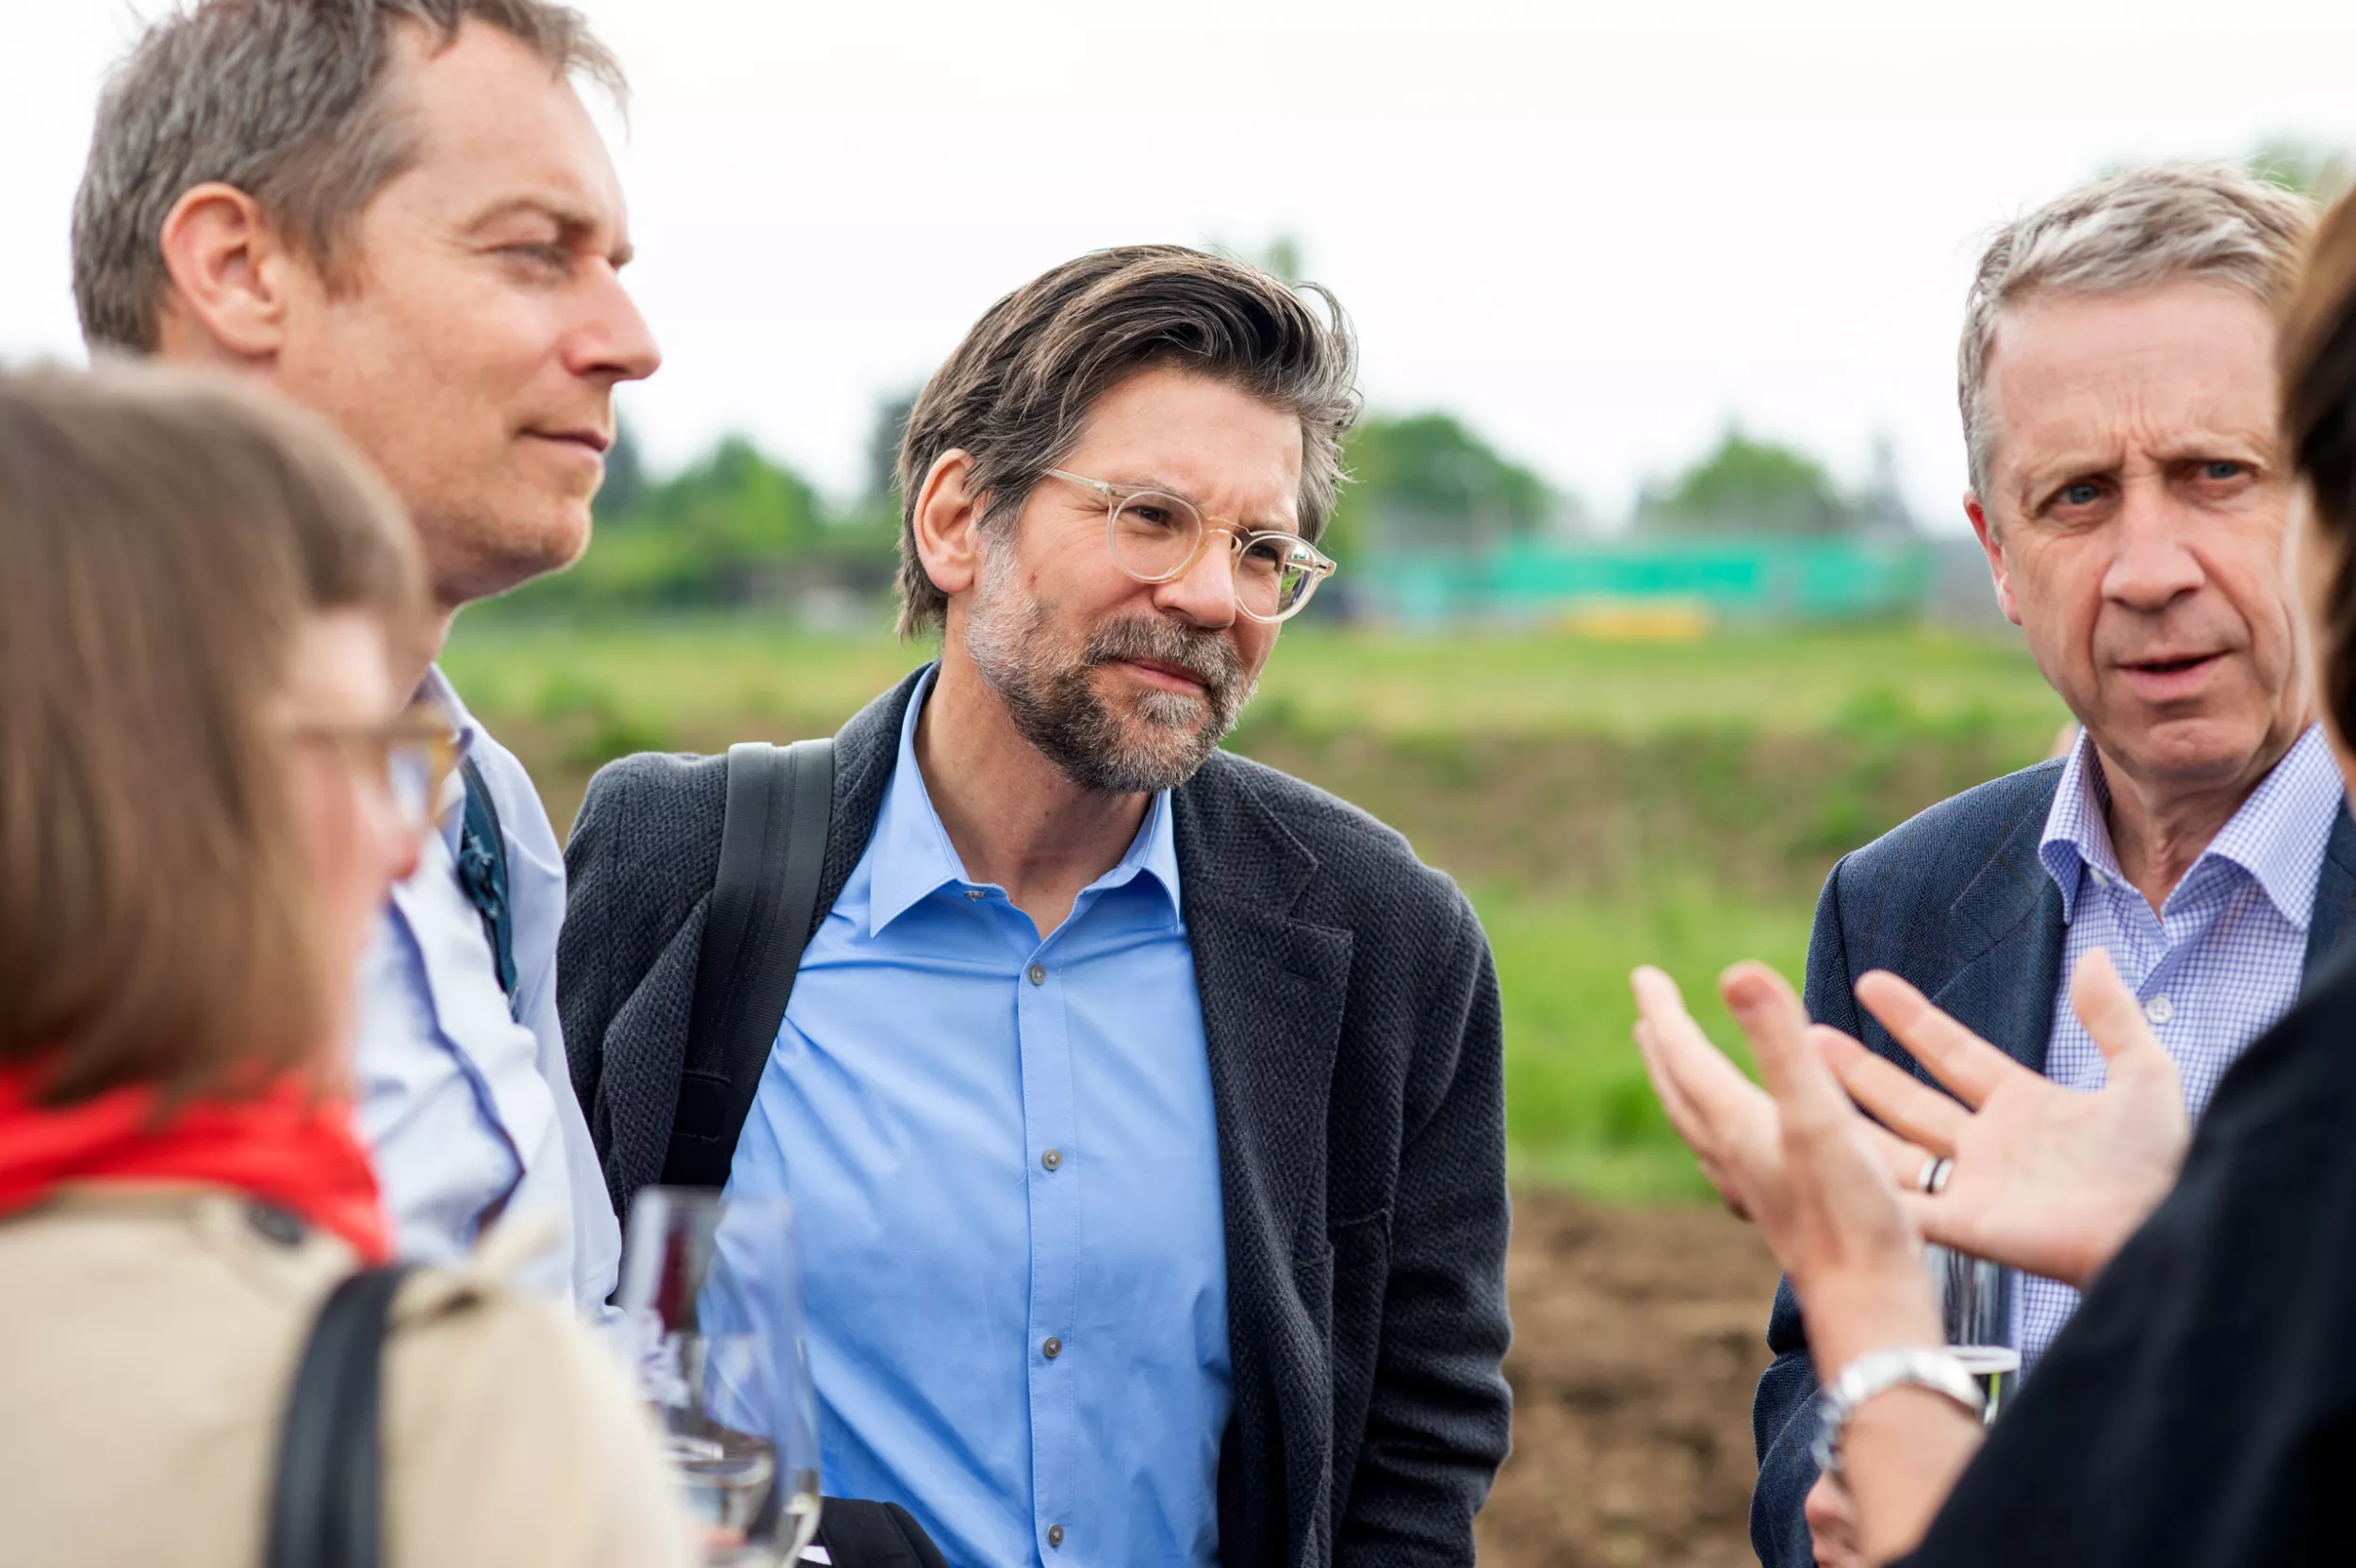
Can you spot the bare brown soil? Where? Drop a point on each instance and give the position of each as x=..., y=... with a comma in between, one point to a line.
x=1638, y=1335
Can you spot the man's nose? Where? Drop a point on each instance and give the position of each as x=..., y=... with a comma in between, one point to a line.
x=611, y=342
x=1205, y=593
x=2152, y=563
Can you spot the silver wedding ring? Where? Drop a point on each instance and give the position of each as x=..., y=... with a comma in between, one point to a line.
x=1935, y=1170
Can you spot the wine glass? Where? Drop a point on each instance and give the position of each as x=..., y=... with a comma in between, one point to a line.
x=712, y=1296
x=1975, y=1309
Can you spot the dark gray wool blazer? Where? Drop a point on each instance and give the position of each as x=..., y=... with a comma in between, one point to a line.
x=1957, y=903
x=1350, y=1006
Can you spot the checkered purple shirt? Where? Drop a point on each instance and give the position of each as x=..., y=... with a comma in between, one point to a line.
x=2215, y=969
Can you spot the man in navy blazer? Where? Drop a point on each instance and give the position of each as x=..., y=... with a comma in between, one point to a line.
x=2119, y=414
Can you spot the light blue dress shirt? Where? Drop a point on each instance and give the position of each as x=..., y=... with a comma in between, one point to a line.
x=2216, y=968
x=1003, y=1162
x=468, y=1109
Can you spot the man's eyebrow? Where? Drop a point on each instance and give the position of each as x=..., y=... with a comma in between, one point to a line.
x=2196, y=445
x=1279, y=525
x=574, y=223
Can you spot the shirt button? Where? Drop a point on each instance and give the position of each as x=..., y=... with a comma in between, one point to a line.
x=1054, y=1535
x=1053, y=1159
x=973, y=893
x=1052, y=1349
x=2159, y=1009
x=1039, y=975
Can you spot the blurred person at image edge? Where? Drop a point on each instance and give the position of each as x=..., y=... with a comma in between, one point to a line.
x=2117, y=383
x=203, y=603
x=399, y=213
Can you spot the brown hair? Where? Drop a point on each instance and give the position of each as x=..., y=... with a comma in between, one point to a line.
x=162, y=538
x=282, y=99
x=1017, y=391
x=2317, y=355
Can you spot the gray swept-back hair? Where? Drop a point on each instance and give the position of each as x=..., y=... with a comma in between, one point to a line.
x=1017, y=392
x=282, y=99
x=2159, y=225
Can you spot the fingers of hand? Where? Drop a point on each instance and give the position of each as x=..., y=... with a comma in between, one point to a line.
x=1901, y=1100
x=1683, y=1114
x=1680, y=1056
x=1956, y=1056
x=1713, y=1147
x=1769, y=1011
x=1905, y=1161
x=2109, y=1010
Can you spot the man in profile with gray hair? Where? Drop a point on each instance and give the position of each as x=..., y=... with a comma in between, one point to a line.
x=399, y=213
x=2119, y=412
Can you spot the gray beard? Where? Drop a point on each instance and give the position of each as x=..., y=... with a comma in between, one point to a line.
x=1054, y=703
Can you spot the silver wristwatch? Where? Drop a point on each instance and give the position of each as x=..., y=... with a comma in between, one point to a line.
x=1878, y=1372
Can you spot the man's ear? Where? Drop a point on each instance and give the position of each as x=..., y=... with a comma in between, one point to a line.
x=230, y=275
x=948, y=523
x=1997, y=570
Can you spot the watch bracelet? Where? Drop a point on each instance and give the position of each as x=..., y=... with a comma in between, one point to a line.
x=1876, y=1372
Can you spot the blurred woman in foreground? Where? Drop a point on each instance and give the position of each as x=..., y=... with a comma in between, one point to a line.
x=205, y=789
x=2201, y=1408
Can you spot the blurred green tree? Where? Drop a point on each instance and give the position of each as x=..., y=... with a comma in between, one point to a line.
x=625, y=484
x=2309, y=168
x=706, y=536
x=1746, y=486
x=1424, y=481
x=883, y=445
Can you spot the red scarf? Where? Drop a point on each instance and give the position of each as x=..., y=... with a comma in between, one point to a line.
x=286, y=1147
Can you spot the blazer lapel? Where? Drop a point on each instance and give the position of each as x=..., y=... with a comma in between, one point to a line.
x=2335, y=895
x=2008, y=934
x=1272, y=990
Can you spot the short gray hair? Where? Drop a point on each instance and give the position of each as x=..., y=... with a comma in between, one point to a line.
x=282, y=99
x=2147, y=226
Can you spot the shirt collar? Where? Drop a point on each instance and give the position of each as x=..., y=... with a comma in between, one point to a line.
x=2278, y=836
x=436, y=688
x=914, y=858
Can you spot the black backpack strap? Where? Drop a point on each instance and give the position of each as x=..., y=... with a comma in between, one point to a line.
x=859, y=1534
x=764, y=906
x=326, y=1505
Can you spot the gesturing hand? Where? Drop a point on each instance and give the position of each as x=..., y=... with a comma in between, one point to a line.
x=1804, y=1164
x=2045, y=1179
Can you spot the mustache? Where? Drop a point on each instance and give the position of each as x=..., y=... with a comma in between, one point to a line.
x=1206, y=656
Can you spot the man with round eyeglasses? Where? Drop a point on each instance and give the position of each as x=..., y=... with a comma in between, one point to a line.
x=1141, y=1107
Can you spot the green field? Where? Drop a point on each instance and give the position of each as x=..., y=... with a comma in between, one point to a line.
x=1605, y=804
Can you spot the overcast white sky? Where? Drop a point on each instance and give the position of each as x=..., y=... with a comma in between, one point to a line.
x=1599, y=231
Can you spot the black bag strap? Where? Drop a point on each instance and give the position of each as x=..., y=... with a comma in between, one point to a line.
x=859, y=1534
x=764, y=906
x=326, y=1505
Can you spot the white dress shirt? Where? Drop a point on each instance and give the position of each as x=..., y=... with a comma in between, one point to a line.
x=469, y=1110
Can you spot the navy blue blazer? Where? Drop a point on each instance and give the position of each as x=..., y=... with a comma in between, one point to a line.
x=1957, y=903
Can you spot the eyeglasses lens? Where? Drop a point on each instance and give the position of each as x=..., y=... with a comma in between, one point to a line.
x=1273, y=575
x=1154, y=534
x=1154, y=537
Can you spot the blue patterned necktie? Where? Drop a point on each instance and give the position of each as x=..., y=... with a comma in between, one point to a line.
x=482, y=877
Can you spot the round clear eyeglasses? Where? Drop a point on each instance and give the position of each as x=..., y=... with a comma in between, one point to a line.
x=1158, y=537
